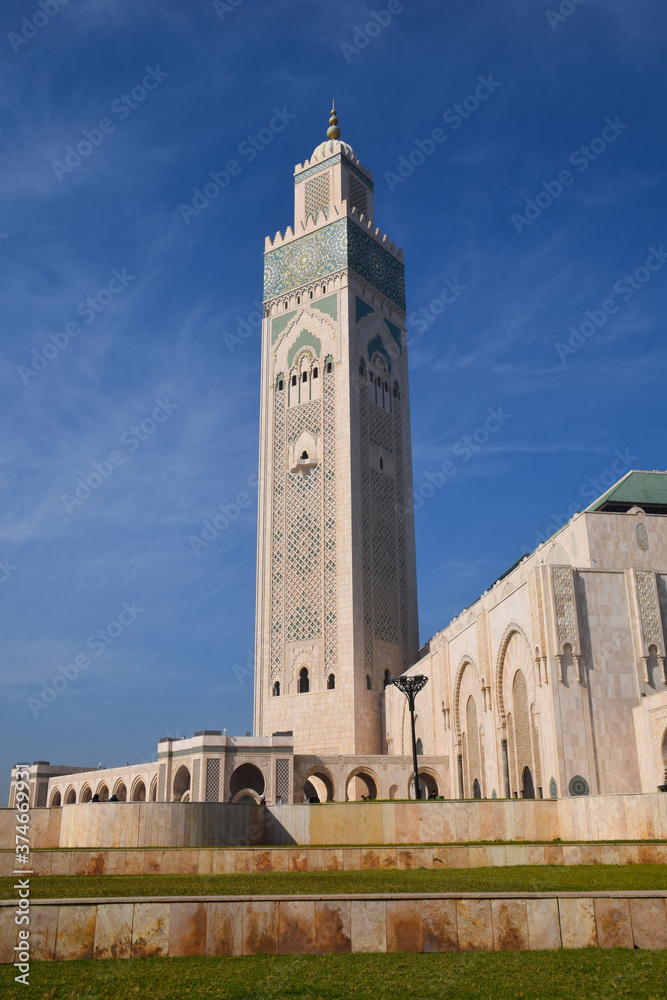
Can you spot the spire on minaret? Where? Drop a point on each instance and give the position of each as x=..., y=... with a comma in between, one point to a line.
x=333, y=132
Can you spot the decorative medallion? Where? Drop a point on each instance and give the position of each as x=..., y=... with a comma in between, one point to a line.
x=577, y=786
x=553, y=789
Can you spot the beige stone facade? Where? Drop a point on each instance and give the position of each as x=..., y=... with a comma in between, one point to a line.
x=553, y=683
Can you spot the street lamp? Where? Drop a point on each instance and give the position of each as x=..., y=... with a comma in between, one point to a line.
x=411, y=686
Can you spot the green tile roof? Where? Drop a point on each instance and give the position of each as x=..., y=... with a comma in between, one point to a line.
x=639, y=489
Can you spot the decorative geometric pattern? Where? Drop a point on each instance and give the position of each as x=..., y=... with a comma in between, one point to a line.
x=357, y=195
x=339, y=245
x=317, y=195
x=162, y=782
x=642, y=537
x=362, y=309
x=41, y=793
x=330, y=610
x=648, y=608
x=376, y=346
x=305, y=174
x=564, y=597
x=282, y=779
x=278, y=533
x=578, y=786
x=396, y=334
x=213, y=779
x=303, y=538
x=196, y=768
x=510, y=754
x=536, y=751
x=305, y=339
x=553, y=789
x=279, y=324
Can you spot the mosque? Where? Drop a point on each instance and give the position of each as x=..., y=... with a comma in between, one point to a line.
x=552, y=684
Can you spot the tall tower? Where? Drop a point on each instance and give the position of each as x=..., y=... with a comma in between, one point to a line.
x=336, y=578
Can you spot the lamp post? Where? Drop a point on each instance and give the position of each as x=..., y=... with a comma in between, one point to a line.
x=411, y=686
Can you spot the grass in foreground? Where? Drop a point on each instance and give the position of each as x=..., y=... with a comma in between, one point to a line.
x=562, y=975
x=514, y=878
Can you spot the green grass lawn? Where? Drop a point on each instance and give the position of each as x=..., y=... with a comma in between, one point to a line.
x=514, y=878
x=561, y=975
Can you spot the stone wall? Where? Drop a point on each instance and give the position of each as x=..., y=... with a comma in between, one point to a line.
x=63, y=930
x=249, y=860
x=175, y=824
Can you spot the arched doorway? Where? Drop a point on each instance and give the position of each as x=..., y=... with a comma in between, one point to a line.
x=86, y=794
x=120, y=791
x=527, y=785
x=304, y=681
x=361, y=785
x=476, y=790
x=139, y=791
x=154, y=789
x=56, y=799
x=181, y=783
x=70, y=797
x=428, y=786
x=247, y=776
x=320, y=786
x=103, y=793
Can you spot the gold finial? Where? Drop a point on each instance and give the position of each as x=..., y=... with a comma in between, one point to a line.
x=333, y=132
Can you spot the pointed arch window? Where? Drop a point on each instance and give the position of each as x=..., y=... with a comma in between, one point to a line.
x=331, y=682
x=304, y=681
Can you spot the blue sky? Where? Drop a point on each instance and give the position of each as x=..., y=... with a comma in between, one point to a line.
x=169, y=345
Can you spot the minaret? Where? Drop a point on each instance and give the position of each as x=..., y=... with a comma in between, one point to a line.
x=336, y=579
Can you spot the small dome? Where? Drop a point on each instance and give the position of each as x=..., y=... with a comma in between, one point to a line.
x=332, y=146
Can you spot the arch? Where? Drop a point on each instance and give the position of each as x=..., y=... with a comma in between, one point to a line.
x=276, y=689
x=70, y=796
x=428, y=784
x=304, y=681
x=387, y=678
x=465, y=661
x=181, y=783
x=154, y=788
x=527, y=784
x=393, y=791
x=331, y=682
x=361, y=783
x=369, y=683
x=102, y=792
x=471, y=746
x=246, y=795
x=86, y=794
x=557, y=556
x=323, y=783
x=56, y=798
x=246, y=777
x=120, y=791
x=664, y=757
x=512, y=629
x=420, y=747
x=476, y=789
x=139, y=791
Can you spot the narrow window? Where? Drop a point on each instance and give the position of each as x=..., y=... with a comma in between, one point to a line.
x=369, y=684
x=280, y=385
x=381, y=462
x=395, y=392
x=293, y=379
x=386, y=387
x=304, y=377
x=361, y=369
x=331, y=682
x=328, y=368
x=310, y=294
x=304, y=455
x=315, y=373
x=324, y=289
x=285, y=304
x=387, y=678
x=304, y=682
x=276, y=689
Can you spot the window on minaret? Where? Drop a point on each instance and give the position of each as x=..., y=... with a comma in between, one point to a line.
x=304, y=377
x=381, y=462
x=329, y=367
x=369, y=683
x=304, y=681
x=387, y=678
x=331, y=682
x=293, y=379
x=276, y=689
x=314, y=372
